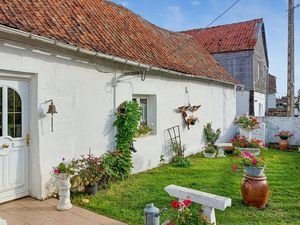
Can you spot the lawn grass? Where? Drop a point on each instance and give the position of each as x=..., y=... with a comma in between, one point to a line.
x=126, y=200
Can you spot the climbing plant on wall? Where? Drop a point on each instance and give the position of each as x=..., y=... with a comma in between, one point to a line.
x=126, y=121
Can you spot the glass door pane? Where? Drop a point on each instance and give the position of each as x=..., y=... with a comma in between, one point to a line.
x=14, y=114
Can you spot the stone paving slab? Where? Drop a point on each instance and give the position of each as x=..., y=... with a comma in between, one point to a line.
x=28, y=211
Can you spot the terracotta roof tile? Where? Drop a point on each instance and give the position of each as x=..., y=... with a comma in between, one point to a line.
x=227, y=38
x=103, y=26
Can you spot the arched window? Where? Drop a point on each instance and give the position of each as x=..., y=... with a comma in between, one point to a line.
x=14, y=113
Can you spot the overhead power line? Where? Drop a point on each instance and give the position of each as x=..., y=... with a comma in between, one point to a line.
x=230, y=7
x=183, y=44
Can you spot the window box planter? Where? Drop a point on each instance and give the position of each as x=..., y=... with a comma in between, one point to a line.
x=253, y=151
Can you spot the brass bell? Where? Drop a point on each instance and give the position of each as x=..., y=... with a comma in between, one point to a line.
x=52, y=109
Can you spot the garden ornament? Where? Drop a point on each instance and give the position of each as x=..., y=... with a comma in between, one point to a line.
x=152, y=215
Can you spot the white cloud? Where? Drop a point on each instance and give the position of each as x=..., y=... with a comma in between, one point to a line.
x=195, y=3
x=124, y=3
x=174, y=18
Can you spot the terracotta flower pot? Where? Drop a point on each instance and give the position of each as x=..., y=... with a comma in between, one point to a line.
x=255, y=191
x=283, y=144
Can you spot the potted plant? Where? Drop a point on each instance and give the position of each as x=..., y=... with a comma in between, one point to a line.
x=64, y=170
x=90, y=171
x=229, y=150
x=211, y=136
x=182, y=214
x=244, y=144
x=143, y=131
x=210, y=151
x=253, y=166
x=284, y=136
x=246, y=125
x=254, y=187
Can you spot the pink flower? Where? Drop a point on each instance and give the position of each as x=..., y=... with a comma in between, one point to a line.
x=56, y=171
x=254, y=161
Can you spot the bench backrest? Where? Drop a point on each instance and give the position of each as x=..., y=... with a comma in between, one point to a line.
x=203, y=198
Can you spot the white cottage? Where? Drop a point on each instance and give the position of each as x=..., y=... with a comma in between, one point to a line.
x=80, y=54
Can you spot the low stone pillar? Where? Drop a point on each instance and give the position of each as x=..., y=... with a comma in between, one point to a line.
x=64, y=186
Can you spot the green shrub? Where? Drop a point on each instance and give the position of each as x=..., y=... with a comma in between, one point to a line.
x=211, y=149
x=181, y=161
x=126, y=122
x=211, y=135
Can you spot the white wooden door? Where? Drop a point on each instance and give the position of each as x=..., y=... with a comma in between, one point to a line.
x=14, y=152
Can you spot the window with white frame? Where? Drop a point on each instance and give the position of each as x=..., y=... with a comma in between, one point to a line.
x=148, y=105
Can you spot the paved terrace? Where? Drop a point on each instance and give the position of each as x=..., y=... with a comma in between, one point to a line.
x=28, y=211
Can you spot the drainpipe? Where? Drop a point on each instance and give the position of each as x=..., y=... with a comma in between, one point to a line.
x=267, y=94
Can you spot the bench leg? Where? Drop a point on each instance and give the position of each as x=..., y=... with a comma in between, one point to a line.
x=209, y=212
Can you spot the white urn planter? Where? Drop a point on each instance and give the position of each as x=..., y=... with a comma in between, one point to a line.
x=64, y=186
x=253, y=151
x=245, y=133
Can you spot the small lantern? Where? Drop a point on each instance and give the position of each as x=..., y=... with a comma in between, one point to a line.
x=51, y=110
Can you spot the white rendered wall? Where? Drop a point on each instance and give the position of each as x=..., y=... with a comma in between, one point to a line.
x=218, y=106
x=271, y=101
x=84, y=99
x=276, y=124
x=259, y=98
x=242, y=102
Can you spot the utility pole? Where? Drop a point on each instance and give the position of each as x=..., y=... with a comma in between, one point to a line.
x=291, y=68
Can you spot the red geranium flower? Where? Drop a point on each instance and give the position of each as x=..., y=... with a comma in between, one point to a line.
x=175, y=204
x=187, y=202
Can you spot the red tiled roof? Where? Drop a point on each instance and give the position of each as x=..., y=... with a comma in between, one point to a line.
x=227, y=38
x=272, y=84
x=103, y=26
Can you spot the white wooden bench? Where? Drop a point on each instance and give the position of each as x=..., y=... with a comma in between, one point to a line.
x=209, y=202
x=221, y=147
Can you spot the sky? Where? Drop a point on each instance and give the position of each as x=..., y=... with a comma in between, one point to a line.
x=178, y=15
